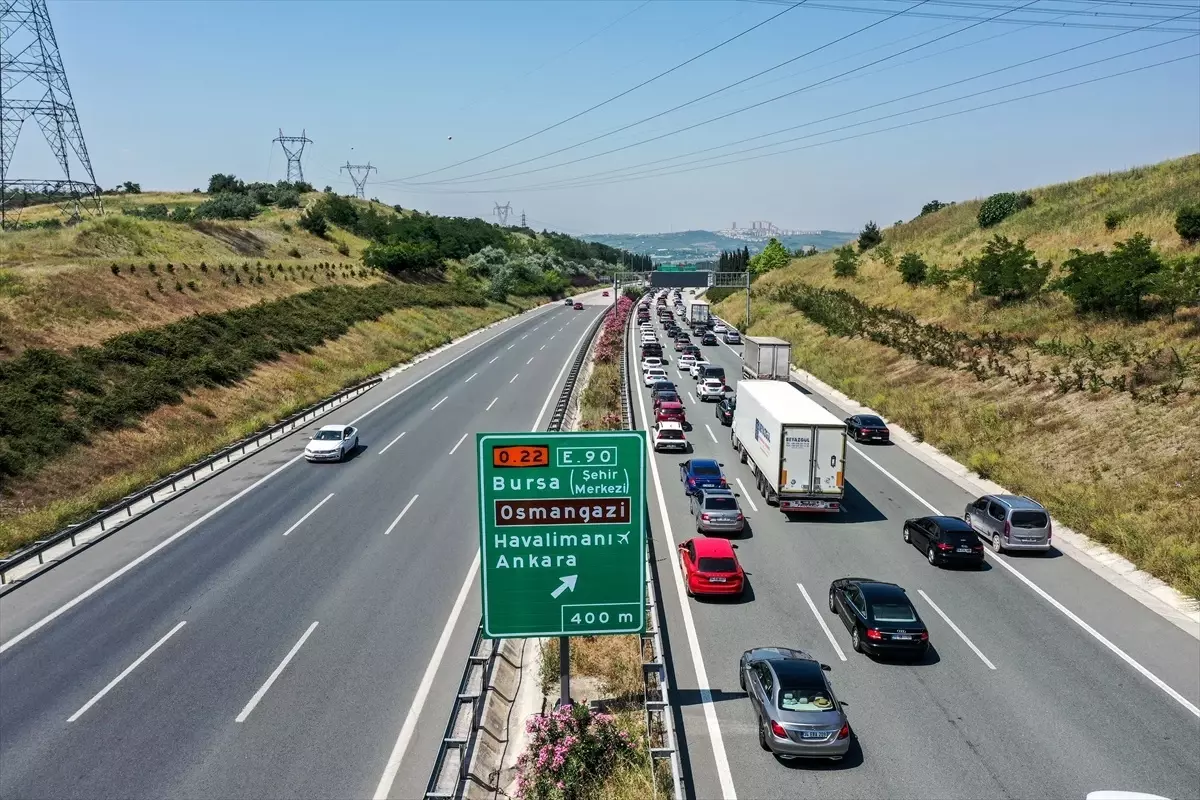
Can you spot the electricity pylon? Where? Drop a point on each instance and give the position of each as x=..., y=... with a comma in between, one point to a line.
x=358, y=174
x=293, y=148
x=502, y=212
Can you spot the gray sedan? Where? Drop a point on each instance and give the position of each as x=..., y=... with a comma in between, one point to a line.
x=797, y=713
x=716, y=511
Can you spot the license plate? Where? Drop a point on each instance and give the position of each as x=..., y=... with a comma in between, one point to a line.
x=964, y=550
x=813, y=734
x=717, y=580
x=901, y=637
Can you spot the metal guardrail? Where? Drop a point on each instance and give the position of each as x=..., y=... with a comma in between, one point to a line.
x=106, y=520
x=451, y=768
x=656, y=685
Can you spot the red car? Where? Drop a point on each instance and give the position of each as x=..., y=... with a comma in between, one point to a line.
x=670, y=411
x=710, y=567
x=605, y=293
x=579, y=306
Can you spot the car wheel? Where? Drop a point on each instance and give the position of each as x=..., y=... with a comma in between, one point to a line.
x=931, y=556
x=996, y=544
x=832, y=604
x=855, y=641
x=907, y=537
x=762, y=737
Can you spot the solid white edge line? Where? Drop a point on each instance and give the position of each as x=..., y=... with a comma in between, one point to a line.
x=956, y=629
x=124, y=673
x=400, y=516
x=821, y=621
x=689, y=624
x=65, y=607
x=312, y=511
x=392, y=768
x=456, y=444
x=392, y=442
x=746, y=495
x=710, y=433
x=1071, y=615
x=473, y=374
x=489, y=405
x=439, y=402
x=262, y=690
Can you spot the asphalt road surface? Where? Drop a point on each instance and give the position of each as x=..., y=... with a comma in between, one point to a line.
x=275, y=636
x=1017, y=699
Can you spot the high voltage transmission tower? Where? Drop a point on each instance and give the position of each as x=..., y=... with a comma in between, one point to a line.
x=502, y=212
x=293, y=148
x=33, y=84
x=523, y=219
x=358, y=173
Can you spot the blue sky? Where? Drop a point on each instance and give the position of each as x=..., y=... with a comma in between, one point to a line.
x=170, y=92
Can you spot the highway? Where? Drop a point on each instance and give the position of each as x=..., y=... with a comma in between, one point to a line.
x=1017, y=699
x=286, y=629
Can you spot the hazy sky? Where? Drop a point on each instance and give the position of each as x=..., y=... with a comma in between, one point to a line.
x=170, y=92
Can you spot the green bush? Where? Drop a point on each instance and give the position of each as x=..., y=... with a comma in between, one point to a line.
x=1000, y=207
x=115, y=269
x=221, y=183
x=1112, y=283
x=399, y=258
x=227, y=206
x=869, y=236
x=1007, y=270
x=845, y=264
x=931, y=207
x=1113, y=220
x=913, y=268
x=288, y=198
x=343, y=248
x=314, y=222
x=1187, y=223
x=885, y=254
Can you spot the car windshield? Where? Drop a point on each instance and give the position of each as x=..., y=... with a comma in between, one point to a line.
x=706, y=470
x=1029, y=519
x=670, y=434
x=871, y=421
x=327, y=436
x=709, y=564
x=720, y=504
x=893, y=612
x=804, y=698
x=714, y=372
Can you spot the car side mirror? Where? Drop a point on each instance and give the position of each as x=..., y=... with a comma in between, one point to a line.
x=826, y=668
x=734, y=546
x=720, y=465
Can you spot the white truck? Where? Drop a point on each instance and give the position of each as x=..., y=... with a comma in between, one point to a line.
x=795, y=448
x=697, y=312
x=766, y=358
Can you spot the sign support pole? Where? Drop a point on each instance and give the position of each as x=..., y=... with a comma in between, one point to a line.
x=564, y=670
x=747, y=301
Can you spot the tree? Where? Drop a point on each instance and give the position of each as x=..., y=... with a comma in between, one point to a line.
x=773, y=256
x=398, y=258
x=845, y=265
x=314, y=222
x=869, y=236
x=1000, y=207
x=227, y=206
x=931, y=207
x=913, y=268
x=1116, y=282
x=129, y=187
x=1007, y=270
x=219, y=183
x=1187, y=223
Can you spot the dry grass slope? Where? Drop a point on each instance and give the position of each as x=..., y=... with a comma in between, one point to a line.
x=1125, y=472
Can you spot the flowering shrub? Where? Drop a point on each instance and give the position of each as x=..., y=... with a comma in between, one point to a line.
x=612, y=336
x=570, y=750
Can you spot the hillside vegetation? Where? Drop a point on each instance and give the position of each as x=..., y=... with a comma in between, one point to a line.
x=134, y=343
x=1054, y=348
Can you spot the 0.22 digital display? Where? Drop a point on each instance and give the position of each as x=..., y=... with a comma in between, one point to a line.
x=521, y=455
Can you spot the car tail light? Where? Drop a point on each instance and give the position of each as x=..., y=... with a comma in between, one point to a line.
x=705, y=517
x=845, y=731
x=924, y=637
x=724, y=484
x=778, y=730
x=1007, y=529
x=691, y=481
x=873, y=634
x=944, y=546
x=740, y=517
x=1049, y=530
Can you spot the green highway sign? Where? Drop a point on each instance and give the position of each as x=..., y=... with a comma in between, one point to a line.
x=562, y=529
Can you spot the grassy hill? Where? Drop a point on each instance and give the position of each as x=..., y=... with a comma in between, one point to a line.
x=1092, y=415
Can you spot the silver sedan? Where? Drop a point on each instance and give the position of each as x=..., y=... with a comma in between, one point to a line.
x=797, y=713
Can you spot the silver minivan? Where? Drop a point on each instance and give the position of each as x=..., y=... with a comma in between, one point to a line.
x=1010, y=522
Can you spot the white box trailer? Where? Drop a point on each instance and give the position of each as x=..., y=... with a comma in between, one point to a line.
x=697, y=312
x=795, y=448
x=766, y=358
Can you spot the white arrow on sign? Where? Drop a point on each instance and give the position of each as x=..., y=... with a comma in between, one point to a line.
x=568, y=582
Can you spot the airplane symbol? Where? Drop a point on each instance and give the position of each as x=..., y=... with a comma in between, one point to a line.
x=624, y=537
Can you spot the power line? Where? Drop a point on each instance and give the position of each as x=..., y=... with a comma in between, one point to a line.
x=611, y=99
x=989, y=73
x=683, y=105
x=752, y=105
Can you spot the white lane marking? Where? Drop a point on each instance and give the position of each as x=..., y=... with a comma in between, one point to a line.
x=821, y=620
x=689, y=394
x=511, y=346
x=530, y=361
x=494, y=360
x=439, y=402
x=1071, y=615
x=525, y=335
x=392, y=768
x=191, y=526
x=400, y=516
x=689, y=624
x=746, y=494
x=710, y=433
x=543, y=347
x=473, y=374
x=312, y=511
x=489, y=408
x=392, y=442
x=560, y=329
x=514, y=377
x=956, y=629
x=456, y=444
x=124, y=673
x=275, y=675
x=552, y=336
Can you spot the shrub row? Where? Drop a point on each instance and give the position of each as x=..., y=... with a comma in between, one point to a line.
x=51, y=401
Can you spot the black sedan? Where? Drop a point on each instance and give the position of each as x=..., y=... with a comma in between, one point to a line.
x=661, y=387
x=867, y=428
x=710, y=339
x=726, y=408
x=944, y=540
x=880, y=617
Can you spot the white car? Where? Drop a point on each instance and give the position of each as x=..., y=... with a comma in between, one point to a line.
x=650, y=362
x=646, y=326
x=332, y=443
x=686, y=360
x=710, y=389
x=653, y=376
x=719, y=329
x=695, y=368
x=732, y=337
x=669, y=436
